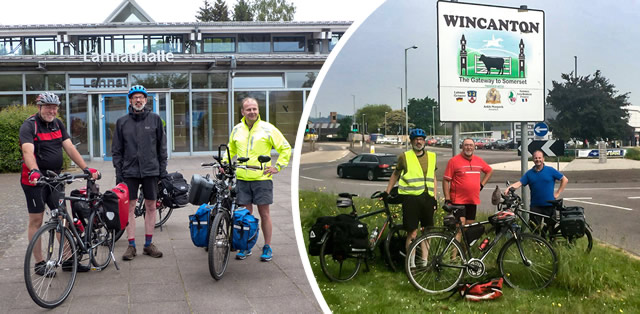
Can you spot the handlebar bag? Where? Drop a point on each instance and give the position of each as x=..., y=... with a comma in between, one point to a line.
x=116, y=207
x=572, y=222
x=174, y=190
x=349, y=234
x=245, y=229
x=201, y=190
x=199, y=225
x=315, y=235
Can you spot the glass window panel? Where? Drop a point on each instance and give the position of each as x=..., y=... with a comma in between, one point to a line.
x=181, y=122
x=102, y=81
x=129, y=44
x=252, y=43
x=94, y=44
x=219, y=44
x=301, y=79
x=288, y=44
x=258, y=81
x=161, y=80
x=10, y=100
x=261, y=97
x=40, y=45
x=10, y=46
x=209, y=80
x=168, y=43
x=96, y=124
x=335, y=37
x=285, y=111
x=210, y=120
x=79, y=129
x=11, y=82
x=42, y=82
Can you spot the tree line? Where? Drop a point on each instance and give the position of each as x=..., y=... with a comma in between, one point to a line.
x=247, y=10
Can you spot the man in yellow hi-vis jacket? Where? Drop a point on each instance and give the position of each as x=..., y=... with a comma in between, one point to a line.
x=251, y=138
x=415, y=174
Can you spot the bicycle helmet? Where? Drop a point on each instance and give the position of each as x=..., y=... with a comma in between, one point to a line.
x=502, y=218
x=343, y=202
x=48, y=98
x=417, y=133
x=137, y=89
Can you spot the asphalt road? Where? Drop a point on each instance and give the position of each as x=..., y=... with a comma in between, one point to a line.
x=611, y=198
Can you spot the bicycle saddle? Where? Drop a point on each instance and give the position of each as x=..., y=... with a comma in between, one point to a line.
x=349, y=195
x=263, y=159
x=556, y=203
x=449, y=208
x=243, y=159
x=344, y=202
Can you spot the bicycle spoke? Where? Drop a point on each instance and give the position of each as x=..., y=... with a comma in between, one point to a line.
x=540, y=257
x=435, y=263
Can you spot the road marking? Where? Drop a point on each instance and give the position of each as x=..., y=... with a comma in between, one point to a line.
x=578, y=198
x=605, y=205
x=596, y=189
x=372, y=184
x=633, y=197
x=309, y=168
x=314, y=179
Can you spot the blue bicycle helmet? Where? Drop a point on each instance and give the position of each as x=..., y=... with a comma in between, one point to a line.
x=137, y=89
x=417, y=133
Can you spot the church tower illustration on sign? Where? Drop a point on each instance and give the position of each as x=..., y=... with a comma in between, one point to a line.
x=463, y=55
x=521, y=72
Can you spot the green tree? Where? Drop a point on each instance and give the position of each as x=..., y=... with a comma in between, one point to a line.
x=205, y=14
x=345, y=126
x=220, y=11
x=273, y=10
x=242, y=11
x=395, y=122
x=373, y=117
x=589, y=108
x=421, y=114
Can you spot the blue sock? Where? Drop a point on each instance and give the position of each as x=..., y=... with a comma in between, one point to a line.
x=147, y=240
x=132, y=242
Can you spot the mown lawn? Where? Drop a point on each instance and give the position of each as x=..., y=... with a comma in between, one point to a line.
x=604, y=281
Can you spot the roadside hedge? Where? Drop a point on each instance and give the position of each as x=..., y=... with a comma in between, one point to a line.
x=11, y=118
x=632, y=153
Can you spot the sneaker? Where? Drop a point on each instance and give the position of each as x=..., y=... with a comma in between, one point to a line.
x=242, y=254
x=267, y=253
x=41, y=270
x=152, y=251
x=67, y=266
x=129, y=254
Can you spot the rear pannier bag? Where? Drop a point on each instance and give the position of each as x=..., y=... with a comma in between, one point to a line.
x=349, y=235
x=200, y=190
x=175, y=190
x=245, y=229
x=317, y=232
x=116, y=207
x=199, y=225
x=572, y=223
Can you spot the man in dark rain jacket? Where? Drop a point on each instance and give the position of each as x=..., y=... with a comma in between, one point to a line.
x=139, y=150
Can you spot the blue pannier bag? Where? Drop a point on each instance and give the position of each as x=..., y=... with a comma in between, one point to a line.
x=199, y=225
x=245, y=229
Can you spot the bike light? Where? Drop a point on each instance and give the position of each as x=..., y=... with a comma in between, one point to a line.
x=383, y=166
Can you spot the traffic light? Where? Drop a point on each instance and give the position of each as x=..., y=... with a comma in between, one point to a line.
x=354, y=127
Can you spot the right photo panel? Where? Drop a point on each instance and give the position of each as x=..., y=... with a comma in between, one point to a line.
x=476, y=157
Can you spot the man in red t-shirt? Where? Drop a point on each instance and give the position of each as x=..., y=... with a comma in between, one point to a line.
x=462, y=183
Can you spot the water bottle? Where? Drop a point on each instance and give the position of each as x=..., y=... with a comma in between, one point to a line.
x=484, y=243
x=372, y=238
x=78, y=225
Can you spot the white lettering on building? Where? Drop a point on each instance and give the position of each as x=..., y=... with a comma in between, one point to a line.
x=160, y=56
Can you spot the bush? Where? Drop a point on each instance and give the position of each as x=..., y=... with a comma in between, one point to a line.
x=632, y=153
x=11, y=119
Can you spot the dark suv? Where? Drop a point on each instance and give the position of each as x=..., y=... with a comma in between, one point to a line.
x=369, y=166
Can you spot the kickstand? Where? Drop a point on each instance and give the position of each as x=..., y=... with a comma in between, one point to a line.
x=366, y=265
x=114, y=261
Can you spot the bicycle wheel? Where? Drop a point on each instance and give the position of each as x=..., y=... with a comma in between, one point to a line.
x=100, y=241
x=47, y=284
x=219, y=247
x=584, y=243
x=435, y=263
x=395, y=247
x=337, y=266
x=541, y=259
x=162, y=214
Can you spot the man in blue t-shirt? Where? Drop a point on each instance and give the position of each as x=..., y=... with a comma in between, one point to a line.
x=541, y=180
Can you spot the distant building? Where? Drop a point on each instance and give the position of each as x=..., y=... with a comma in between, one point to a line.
x=634, y=122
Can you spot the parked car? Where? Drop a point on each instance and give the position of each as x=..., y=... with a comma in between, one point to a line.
x=368, y=166
x=502, y=144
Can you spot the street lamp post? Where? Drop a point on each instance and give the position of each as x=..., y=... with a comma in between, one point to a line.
x=433, y=121
x=385, y=124
x=363, y=115
x=354, y=106
x=406, y=99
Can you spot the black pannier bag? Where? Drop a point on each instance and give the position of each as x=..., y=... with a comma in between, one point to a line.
x=175, y=190
x=349, y=235
x=473, y=233
x=200, y=190
x=80, y=209
x=572, y=223
x=317, y=232
x=111, y=214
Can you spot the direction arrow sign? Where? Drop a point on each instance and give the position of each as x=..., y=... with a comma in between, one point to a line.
x=549, y=148
x=540, y=129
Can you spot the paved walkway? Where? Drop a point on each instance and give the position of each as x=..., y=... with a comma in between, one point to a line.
x=179, y=282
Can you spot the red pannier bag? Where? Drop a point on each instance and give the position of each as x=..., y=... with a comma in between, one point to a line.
x=116, y=207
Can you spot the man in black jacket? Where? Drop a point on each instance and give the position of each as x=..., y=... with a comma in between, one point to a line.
x=139, y=150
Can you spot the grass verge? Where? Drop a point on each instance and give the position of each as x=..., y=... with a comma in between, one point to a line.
x=601, y=282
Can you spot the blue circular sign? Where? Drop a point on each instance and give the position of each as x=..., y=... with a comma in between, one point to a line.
x=540, y=129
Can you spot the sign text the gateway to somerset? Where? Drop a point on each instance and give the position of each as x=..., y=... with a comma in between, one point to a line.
x=140, y=57
x=490, y=63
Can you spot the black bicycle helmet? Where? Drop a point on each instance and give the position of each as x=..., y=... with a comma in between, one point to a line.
x=417, y=133
x=343, y=202
x=48, y=98
x=137, y=89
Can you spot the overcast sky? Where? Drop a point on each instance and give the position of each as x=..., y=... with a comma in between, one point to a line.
x=603, y=34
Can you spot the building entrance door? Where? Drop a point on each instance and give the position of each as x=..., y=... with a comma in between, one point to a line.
x=115, y=106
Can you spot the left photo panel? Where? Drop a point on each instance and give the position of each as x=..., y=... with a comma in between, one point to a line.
x=147, y=153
